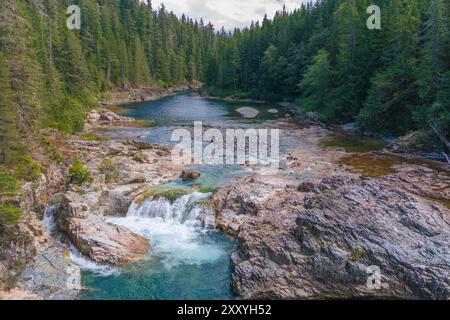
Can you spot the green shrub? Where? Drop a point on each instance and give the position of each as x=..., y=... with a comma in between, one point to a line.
x=79, y=174
x=139, y=157
x=28, y=169
x=357, y=254
x=110, y=170
x=9, y=214
x=8, y=183
x=52, y=151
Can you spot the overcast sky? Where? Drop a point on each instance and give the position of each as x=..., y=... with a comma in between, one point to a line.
x=228, y=13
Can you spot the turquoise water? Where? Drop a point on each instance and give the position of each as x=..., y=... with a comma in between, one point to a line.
x=185, y=109
x=188, y=260
x=154, y=280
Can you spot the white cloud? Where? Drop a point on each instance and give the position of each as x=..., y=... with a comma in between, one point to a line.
x=228, y=13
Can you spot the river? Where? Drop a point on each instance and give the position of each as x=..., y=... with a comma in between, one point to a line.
x=189, y=259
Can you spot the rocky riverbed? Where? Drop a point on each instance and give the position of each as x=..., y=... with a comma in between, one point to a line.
x=309, y=231
x=314, y=235
x=120, y=172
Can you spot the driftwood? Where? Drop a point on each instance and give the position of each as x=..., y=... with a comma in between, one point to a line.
x=441, y=156
x=446, y=157
x=444, y=141
x=441, y=137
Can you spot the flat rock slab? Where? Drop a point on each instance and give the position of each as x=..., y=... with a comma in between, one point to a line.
x=248, y=112
x=104, y=242
x=96, y=238
x=52, y=275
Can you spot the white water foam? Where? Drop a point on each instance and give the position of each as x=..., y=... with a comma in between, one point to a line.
x=91, y=266
x=178, y=231
x=49, y=219
x=76, y=257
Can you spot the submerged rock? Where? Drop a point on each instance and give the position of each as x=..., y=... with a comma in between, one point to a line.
x=248, y=112
x=190, y=175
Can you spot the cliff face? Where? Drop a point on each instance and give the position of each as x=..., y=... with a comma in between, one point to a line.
x=30, y=244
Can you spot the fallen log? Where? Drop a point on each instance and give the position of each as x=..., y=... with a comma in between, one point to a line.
x=441, y=137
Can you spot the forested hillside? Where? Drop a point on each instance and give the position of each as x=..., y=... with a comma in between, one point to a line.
x=323, y=55
x=49, y=74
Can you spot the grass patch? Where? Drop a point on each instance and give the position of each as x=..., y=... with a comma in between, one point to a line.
x=10, y=214
x=79, y=174
x=171, y=194
x=141, y=123
x=110, y=170
x=357, y=254
x=207, y=189
x=28, y=169
x=92, y=137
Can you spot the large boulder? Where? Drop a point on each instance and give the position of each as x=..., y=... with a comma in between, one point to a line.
x=105, y=117
x=248, y=112
x=322, y=241
x=190, y=175
x=98, y=239
x=52, y=275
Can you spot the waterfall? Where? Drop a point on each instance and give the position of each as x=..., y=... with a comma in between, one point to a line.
x=187, y=210
x=77, y=258
x=89, y=265
x=179, y=231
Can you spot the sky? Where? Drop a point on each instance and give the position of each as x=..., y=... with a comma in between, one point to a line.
x=228, y=13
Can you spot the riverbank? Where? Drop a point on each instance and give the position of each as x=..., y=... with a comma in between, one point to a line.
x=130, y=95
x=314, y=229
x=309, y=231
x=60, y=216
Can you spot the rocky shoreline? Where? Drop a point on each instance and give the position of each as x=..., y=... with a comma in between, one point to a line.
x=315, y=236
x=121, y=171
x=130, y=95
x=310, y=231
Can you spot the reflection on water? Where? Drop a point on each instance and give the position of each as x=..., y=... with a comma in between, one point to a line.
x=353, y=143
x=184, y=110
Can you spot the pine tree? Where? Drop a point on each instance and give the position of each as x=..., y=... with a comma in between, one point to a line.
x=316, y=84
x=9, y=139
